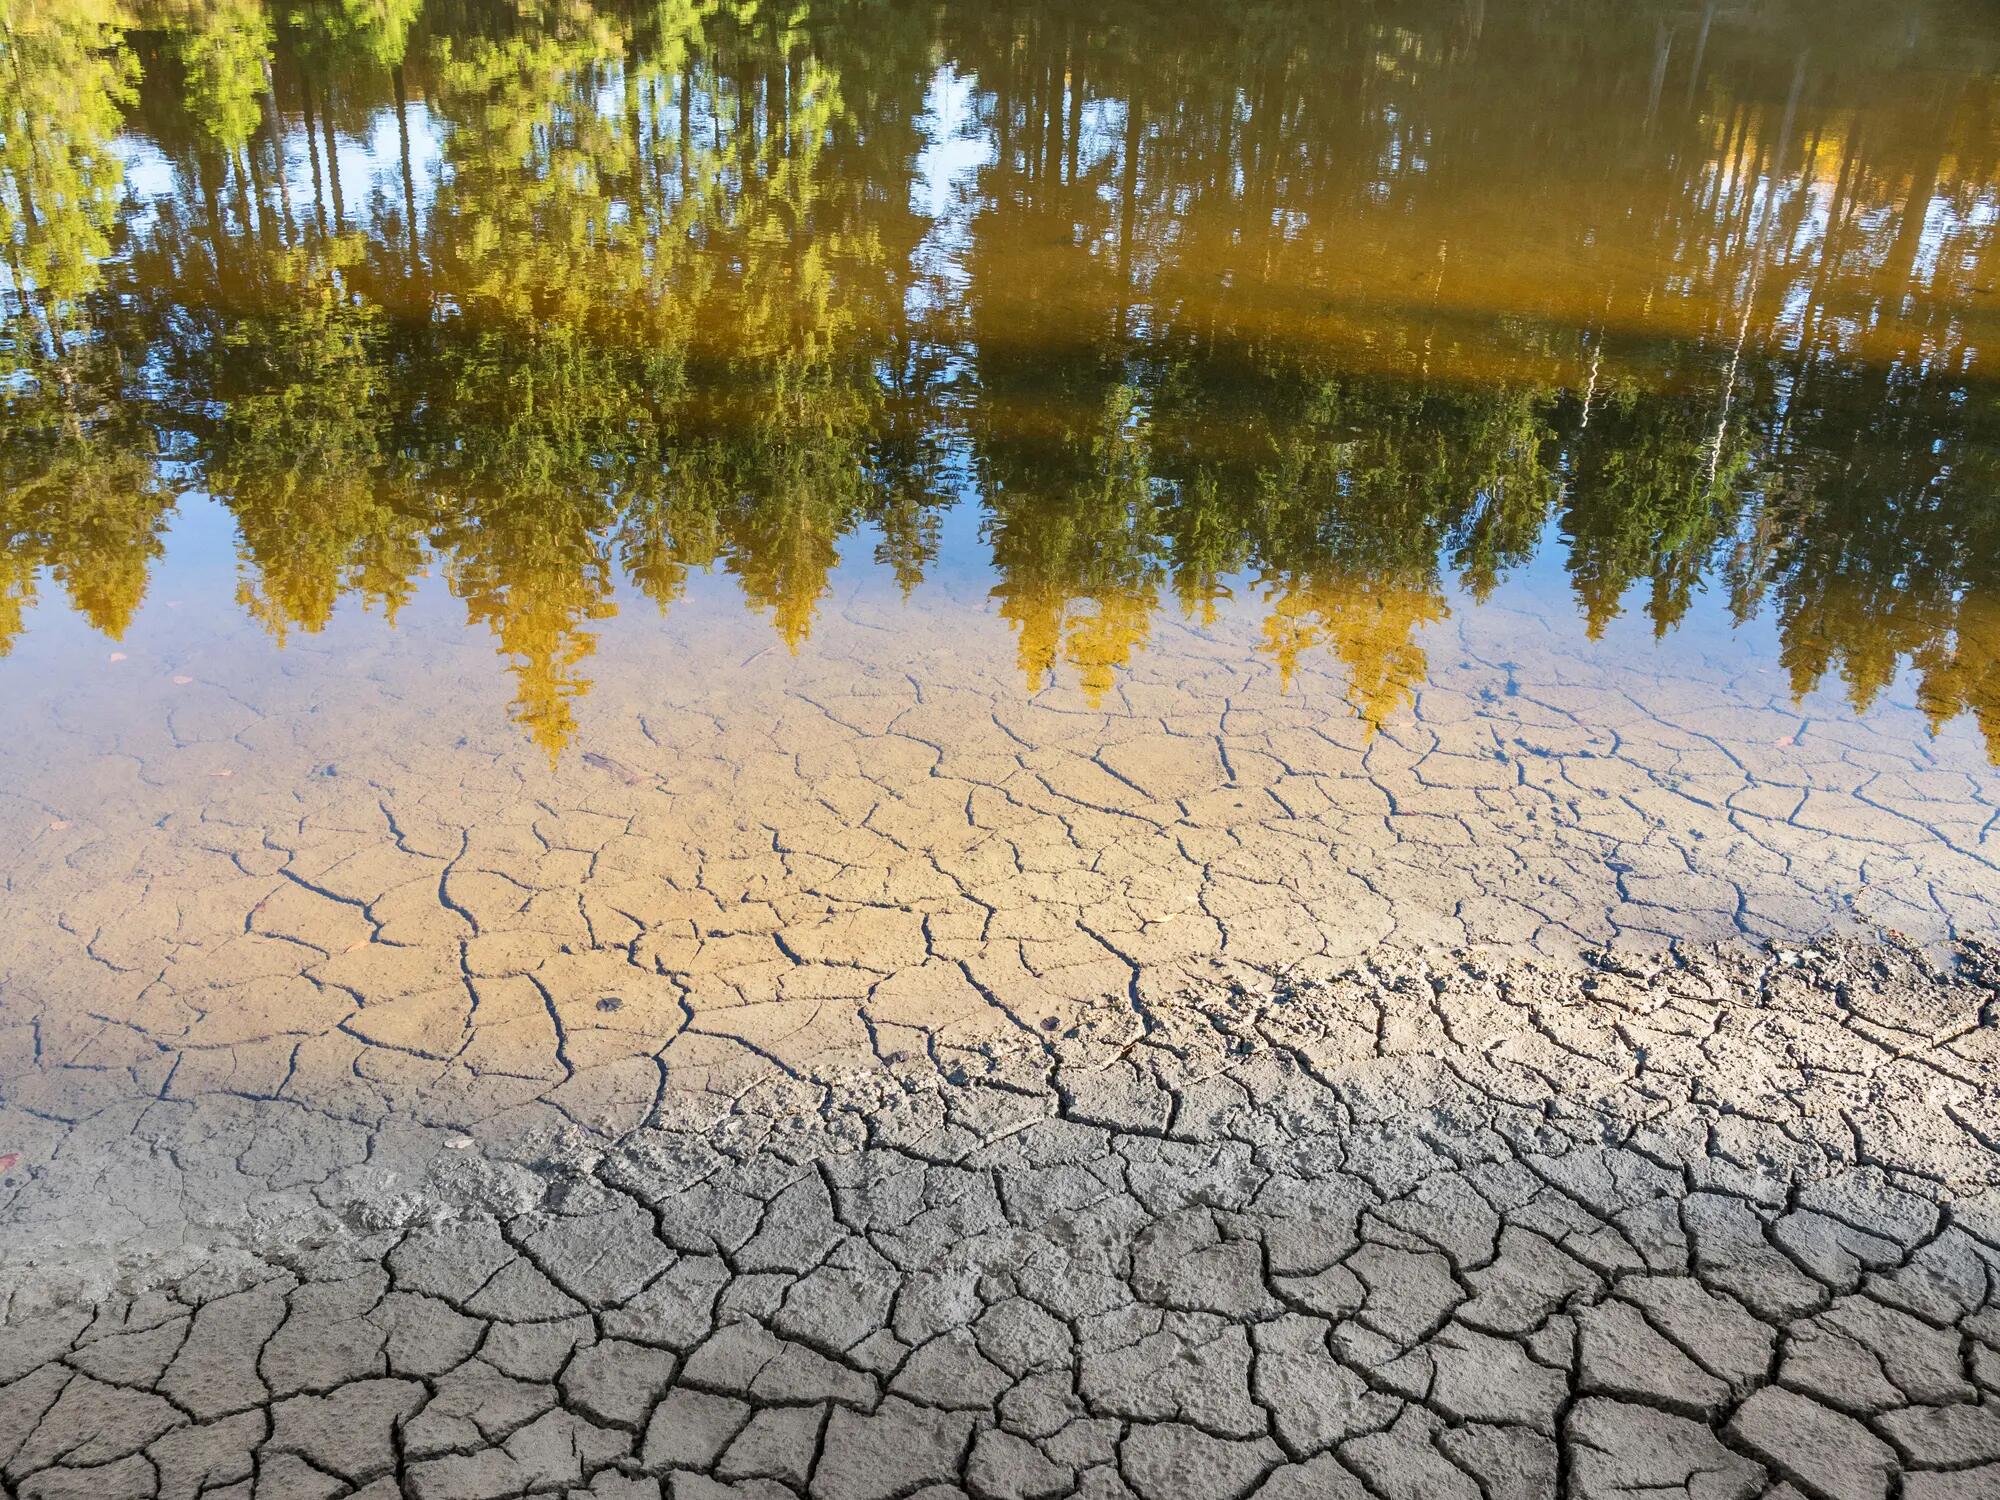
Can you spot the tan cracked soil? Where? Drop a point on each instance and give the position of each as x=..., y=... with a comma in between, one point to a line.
x=850, y=1077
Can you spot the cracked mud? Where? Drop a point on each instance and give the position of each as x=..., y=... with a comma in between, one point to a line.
x=888, y=751
x=1419, y=1231
x=848, y=1078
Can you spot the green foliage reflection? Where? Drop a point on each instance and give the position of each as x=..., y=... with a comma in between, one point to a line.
x=561, y=298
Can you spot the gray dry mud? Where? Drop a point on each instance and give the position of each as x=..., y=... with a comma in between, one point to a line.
x=1723, y=1227
x=854, y=1078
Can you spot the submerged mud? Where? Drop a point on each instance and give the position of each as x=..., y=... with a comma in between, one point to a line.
x=1712, y=1223
x=849, y=1077
x=1087, y=763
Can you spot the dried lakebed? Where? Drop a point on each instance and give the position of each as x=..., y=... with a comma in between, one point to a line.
x=850, y=1078
x=893, y=750
x=1722, y=1226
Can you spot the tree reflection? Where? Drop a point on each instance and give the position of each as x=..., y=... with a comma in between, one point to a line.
x=80, y=494
x=565, y=297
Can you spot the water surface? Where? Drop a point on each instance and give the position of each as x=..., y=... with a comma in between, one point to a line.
x=917, y=711
x=1033, y=497
x=1336, y=319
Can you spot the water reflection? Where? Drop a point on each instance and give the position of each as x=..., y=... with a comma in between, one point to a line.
x=1341, y=308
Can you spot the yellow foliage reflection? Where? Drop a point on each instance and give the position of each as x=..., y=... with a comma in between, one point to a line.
x=1370, y=624
x=573, y=297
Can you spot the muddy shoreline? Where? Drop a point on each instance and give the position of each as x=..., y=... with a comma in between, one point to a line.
x=1713, y=1220
x=851, y=1078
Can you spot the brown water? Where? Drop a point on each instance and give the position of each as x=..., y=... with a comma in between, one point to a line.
x=1335, y=319
x=694, y=696
x=1054, y=497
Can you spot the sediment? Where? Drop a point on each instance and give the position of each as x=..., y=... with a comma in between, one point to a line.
x=846, y=1077
x=1715, y=1223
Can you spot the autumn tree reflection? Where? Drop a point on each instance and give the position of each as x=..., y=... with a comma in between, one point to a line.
x=300, y=451
x=81, y=496
x=1254, y=310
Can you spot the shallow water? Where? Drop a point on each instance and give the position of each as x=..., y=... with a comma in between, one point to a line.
x=1000, y=503
x=696, y=696
x=1331, y=322
x=565, y=383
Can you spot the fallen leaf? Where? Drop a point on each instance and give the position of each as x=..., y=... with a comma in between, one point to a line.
x=357, y=943
x=459, y=1143
x=117, y=656
x=182, y=681
x=222, y=773
x=58, y=824
x=616, y=768
x=8, y=1159
x=1787, y=740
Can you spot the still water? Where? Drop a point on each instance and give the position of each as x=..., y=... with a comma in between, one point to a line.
x=1203, y=482
x=1338, y=319
x=964, y=679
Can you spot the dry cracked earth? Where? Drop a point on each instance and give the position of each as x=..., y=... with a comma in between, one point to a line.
x=855, y=1077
